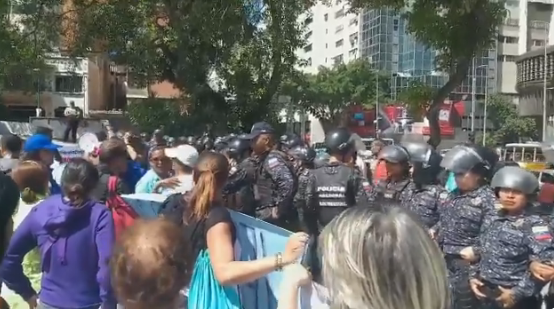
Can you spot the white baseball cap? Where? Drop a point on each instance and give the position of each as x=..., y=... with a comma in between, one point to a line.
x=186, y=154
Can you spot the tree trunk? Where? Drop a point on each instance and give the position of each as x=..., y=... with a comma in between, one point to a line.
x=455, y=79
x=337, y=120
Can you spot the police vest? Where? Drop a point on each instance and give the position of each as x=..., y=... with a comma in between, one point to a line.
x=384, y=192
x=331, y=187
x=264, y=187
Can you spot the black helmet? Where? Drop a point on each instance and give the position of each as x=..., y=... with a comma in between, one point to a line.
x=339, y=140
x=237, y=147
x=302, y=153
x=290, y=140
x=220, y=143
x=182, y=140
x=207, y=142
x=191, y=140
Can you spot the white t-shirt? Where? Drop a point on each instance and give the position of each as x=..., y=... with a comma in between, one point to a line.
x=187, y=182
x=70, y=112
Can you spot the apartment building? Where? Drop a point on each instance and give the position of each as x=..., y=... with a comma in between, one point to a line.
x=332, y=36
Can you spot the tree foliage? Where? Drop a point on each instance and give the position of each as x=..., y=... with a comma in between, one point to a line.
x=507, y=125
x=417, y=99
x=22, y=50
x=330, y=92
x=228, y=56
x=458, y=30
x=153, y=113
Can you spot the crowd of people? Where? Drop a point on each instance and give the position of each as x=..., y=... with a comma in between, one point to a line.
x=428, y=232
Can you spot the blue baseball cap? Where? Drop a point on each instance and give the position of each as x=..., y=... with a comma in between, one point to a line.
x=260, y=128
x=39, y=142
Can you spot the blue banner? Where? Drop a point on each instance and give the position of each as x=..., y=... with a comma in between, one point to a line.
x=256, y=239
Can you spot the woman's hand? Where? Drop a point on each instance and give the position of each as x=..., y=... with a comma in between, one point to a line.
x=541, y=271
x=295, y=247
x=170, y=183
x=296, y=275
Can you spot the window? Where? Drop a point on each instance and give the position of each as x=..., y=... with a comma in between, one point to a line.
x=339, y=28
x=395, y=25
x=538, y=43
x=339, y=13
x=69, y=84
x=339, y=43
x=326, y=31
x=352, y=53
x=326, y=17
x=353, y=39
x=326, y=45
x=309, y=62
x=338, y=59
x=308, y=48
x=511, y=40
x=353, y=21
x=308, y=35
x=308, y=21
x=510, y=58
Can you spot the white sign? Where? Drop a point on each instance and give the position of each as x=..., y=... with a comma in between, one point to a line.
x=71, y=152
x=67, y=64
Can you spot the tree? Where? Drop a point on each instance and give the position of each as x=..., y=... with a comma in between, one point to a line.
x=22, y=52
x=417, y=99
x=229, y=57
x=507, y=125
x=328, y=94
x=458, y=30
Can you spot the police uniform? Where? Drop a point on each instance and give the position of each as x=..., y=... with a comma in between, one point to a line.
x=275, y=188
x=241, y=183
x=425, y=195
x=462, y=219
x=510, y=243
x=337, y=185
x=388, y=189
x=304, y=199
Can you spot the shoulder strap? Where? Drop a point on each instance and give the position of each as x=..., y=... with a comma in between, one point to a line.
x=112, y=184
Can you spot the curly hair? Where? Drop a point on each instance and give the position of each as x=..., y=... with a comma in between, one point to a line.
x=151, y=263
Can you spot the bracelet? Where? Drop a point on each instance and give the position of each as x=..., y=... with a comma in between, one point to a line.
x=279, y=261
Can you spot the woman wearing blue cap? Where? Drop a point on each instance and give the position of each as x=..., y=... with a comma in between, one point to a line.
x=40, y=148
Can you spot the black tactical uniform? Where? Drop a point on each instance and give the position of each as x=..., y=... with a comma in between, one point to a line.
x=305, y=199
x=426, y=195
x=510, y=243
x=239, y=189
x=387, y=189
x=338, y=185
x=276, y=183
x=463, y=218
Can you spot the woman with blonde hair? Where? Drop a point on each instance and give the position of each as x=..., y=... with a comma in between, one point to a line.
x=378, y=258
x=207, y=225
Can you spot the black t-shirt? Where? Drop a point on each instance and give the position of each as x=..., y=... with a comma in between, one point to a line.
x=195, y=229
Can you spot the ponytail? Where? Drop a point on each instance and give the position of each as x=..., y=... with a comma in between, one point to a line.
x=203, y=194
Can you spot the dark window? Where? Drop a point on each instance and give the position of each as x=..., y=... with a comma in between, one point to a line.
x=69, y=84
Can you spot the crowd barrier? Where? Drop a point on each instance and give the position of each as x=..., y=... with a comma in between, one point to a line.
x=255, y=239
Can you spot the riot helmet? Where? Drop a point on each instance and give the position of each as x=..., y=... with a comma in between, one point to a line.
x=394, y=154
x=303, y=154
x=501, y=164
x=321, y=159
x=170, y=141
x=207, y=142
x=515, y=178
x=418, y=152
x=220, y=143
x=182, y=140
x=289, y=140
x=238, y=148
x=465, y=158
x=191, y=140
x=339, y=141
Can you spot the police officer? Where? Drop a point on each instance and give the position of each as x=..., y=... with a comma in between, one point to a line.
x=337, y=184
x=465, y=214
x=276, y=183
x=240, y=185
x=220, y=143
x=425, y=193
x=514, y=238
x=157, y=138
x=305, y=198
x=191, y=140
x=395, y=186
x=288, y=141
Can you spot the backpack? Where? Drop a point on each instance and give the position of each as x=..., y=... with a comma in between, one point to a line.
x=123, y=214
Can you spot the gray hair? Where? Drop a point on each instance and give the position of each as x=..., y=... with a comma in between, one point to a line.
x=382, y=259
